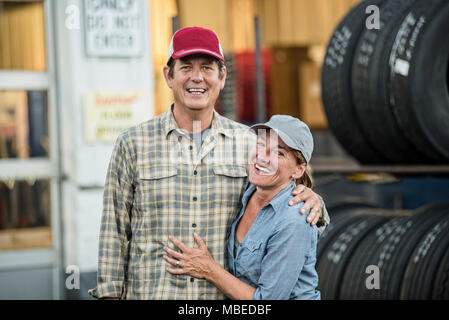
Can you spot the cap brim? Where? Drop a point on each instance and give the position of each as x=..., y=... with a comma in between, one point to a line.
x=259, y=126
x=183, y=53
x=284, y=137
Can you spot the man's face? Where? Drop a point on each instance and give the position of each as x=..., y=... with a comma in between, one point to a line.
x=196, y=82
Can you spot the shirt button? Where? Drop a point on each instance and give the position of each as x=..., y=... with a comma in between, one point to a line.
x=195, y=172
x=194, y=225
x=195, y=198
x=190, y=147
x=192, y=279
x=179, y=138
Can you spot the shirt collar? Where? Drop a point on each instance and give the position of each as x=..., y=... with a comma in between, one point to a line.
x=168, y=121
x=218, y=124
x=169, y=124
x=278, y=202
x=281, y=199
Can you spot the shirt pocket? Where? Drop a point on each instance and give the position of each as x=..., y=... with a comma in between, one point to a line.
x=157, y=172
x=249, y=259
x=155, y=195
x=156, y=183
x=230, y=171
x=229, y=184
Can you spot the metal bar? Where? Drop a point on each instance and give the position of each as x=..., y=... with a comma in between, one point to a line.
x=24, y=80
x=346, y=165
x=174, y=24
x=55, y=151
x=21, y=169
x=260, y=86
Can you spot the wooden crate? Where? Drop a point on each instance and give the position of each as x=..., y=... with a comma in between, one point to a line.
x=284, y=84
x=311, y=109
x=295, y=85
x=300, y=22
x=211, y=14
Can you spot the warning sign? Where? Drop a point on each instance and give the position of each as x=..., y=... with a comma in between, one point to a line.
x=113, y=28
x=106, y=115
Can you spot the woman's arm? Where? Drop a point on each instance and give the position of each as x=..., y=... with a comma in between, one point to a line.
x=199, y=263
x=285, y=256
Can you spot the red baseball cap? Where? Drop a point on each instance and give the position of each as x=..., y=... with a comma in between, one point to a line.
x=191, y=40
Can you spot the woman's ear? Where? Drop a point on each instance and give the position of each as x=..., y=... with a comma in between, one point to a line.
x=299, y=171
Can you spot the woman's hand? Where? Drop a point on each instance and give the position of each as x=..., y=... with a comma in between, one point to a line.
x=197, y=263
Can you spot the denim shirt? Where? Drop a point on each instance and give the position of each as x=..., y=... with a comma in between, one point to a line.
x=278, y=254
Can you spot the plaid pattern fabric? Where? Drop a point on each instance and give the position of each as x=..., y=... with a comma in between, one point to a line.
x=158, y=185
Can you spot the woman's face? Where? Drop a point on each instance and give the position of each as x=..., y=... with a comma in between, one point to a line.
x=272, y=163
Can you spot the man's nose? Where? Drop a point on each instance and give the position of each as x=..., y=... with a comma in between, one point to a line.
x=197, y=75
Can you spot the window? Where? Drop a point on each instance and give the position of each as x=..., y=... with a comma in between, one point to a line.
x=24, y=214
x=23, y=124
x=27, y=160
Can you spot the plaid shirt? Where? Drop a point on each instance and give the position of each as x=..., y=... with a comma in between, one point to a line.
x=158, y=185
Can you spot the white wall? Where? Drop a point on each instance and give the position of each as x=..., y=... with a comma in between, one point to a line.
x=84, y=164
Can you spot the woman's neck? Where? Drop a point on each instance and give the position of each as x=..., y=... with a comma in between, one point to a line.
x=262, y=196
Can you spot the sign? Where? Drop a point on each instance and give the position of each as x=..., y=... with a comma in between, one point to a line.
x=107, y=114
x=113, y=28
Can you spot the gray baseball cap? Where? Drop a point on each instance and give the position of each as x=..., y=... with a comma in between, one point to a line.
x=295, y=133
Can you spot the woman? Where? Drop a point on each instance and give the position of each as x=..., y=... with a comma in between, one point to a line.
x=272, y=248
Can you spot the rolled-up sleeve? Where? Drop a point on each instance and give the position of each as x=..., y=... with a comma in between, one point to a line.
x=115, y=230
x=285, y=256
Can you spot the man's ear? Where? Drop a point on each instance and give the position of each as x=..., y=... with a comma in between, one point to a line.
x=168, y=79
x=223, y=78
x=299, y=171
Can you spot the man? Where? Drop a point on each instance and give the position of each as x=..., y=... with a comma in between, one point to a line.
x=178, y=173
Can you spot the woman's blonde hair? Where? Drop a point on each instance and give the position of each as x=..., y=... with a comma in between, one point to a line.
x=306, y=178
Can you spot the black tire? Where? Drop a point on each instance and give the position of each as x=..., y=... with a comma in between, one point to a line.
x=324, y=275
x=422, y=268
x=420, y=92
x=370, y=73
x=353, y=281
x=389, y=247
x=441, y=285
x=401, y=247
x=340, y=216
x=336, y=85
x=334, y=261
x=338, y=222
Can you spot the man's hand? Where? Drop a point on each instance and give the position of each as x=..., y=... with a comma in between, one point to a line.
x=311, y=202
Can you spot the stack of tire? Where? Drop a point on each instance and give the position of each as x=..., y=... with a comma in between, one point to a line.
x=386, y=91
x=409, y=250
